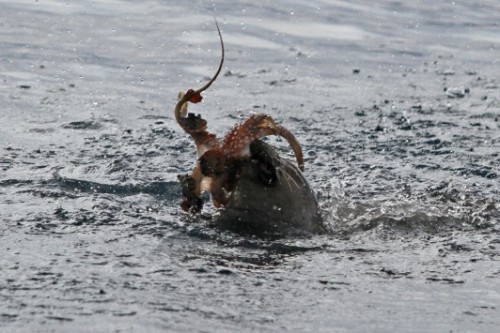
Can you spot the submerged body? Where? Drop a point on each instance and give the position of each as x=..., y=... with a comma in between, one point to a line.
x=271, y=196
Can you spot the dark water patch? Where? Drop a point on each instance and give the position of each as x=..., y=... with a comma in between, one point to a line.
x=438, y=143
x=221, y=262
x=419, y=109
x=395, y=149
x=446, y=124
x=234, y=250
x=163, y=131
x=275, y=247
x=478, y=170
x=110, y=120
x=445, y=280
x=54, y=194
x=153, y=117
x=130, y=264
x=83, y=125
x=233, y=73
x=282, y=82
x=445, y=72
x=413, y=224
x=423, y=123
x=8, y=316
x=458, y=247
x=85, y=217
x=15, y=182
x=121, y=164
x=486, y=115
x=23, y=288
x=124, y=314
x=5, y=163
x=457, y=92
x=166, y=190
x=62, y=319
x=42, y=130
x=42, y=224
x=392, y=273
x=427, y=166
x=436, y=152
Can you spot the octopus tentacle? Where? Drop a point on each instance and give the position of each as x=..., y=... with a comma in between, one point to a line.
x=292, y=141
x=193, y=124
x=209, y=83
x=237, y=140
x=194, y=96
x=257, y=126
x=192, y=185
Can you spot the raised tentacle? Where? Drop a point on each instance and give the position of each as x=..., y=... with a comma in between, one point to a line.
x=192, y=185
x=237, y=141
x=194, y=96
x=209, y=83
x=292, y=141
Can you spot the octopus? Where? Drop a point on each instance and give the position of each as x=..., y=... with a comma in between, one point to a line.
x=248, y=181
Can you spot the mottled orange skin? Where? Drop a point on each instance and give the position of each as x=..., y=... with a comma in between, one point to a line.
x=219, y=159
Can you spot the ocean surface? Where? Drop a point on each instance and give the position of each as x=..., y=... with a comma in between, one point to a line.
x=396, y=105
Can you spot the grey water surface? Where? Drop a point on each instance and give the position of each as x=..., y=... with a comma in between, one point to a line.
x=396, y=105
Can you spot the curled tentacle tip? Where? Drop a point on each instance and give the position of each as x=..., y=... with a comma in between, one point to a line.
x=193, y=96
x=196, y=99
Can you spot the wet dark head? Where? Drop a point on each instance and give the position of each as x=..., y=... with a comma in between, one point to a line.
x=262, y=158
x=193, y=123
